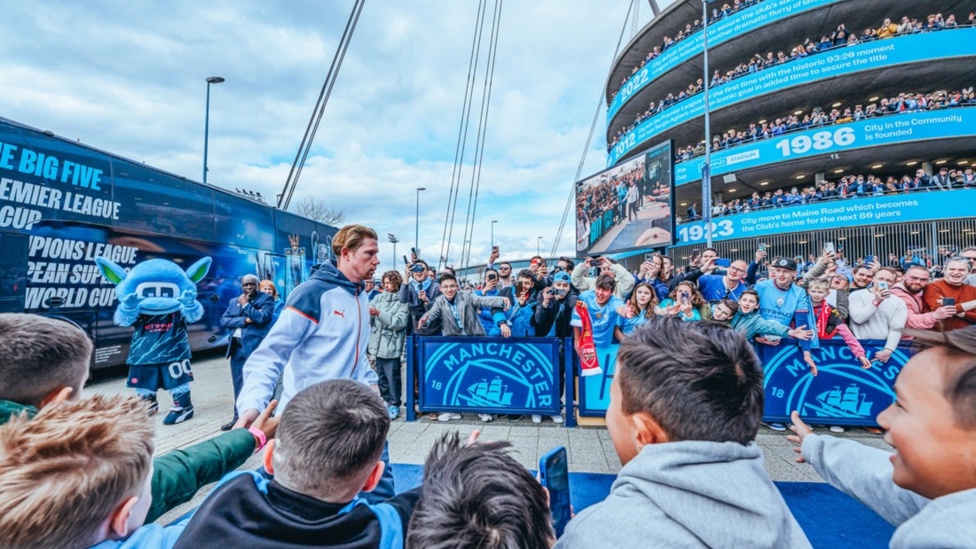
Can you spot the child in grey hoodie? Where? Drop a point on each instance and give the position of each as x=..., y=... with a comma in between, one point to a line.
x=927, y=488
x=685, y=407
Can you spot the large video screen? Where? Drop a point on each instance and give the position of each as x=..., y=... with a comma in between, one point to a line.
x=628, y=206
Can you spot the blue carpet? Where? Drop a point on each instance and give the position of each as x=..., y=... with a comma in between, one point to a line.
x=828, y=517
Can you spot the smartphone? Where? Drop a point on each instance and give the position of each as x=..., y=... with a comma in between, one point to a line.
x=405, y=260
x=695, y=253
x=762, y=247
x=948, y=302
x=491, y=276
x=829, y=246
x=685, y=299
x=554, y=475
x=869, y=260
x=494, y=249
x=413, y=250
x=883, y=286
x=649, y=258
x=723, y=262
x=596, y=257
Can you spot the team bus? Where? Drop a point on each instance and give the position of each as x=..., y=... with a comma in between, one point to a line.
x=62, y=204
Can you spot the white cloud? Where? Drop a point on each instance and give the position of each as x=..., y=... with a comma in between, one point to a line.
x=129, y=78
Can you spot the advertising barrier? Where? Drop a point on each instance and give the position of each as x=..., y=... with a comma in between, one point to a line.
x=890, y=129
x=842, y=393
x=836, y=214
x=720, y=32
x=914, y=48
x=486, y=375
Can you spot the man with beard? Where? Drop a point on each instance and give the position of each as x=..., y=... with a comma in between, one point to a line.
x=910, y=290
x=249, y=319
x=951, y=286
x=784, y=302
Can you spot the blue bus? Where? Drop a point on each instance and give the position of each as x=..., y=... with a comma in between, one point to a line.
x=62, y=204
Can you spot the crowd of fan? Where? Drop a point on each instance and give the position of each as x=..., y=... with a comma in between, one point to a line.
x=78, y=471
x=811, y=46
x=688, y=31
x=848, y=186
x=818, y=117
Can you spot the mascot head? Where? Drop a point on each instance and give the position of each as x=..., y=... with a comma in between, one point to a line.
x=156, y=286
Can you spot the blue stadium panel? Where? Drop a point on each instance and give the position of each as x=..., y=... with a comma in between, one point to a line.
x=861, y=58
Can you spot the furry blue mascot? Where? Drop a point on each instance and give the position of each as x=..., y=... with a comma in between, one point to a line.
x=157, y=298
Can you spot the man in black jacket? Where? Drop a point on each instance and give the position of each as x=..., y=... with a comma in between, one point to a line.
x=552, y=317
x=248, y=318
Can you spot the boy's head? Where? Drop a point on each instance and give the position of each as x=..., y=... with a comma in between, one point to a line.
x=749, y=301
x=680, y=381
x=449, y=285
x=76, y=474
x=40, y=357
x=817, y=289
x=478, y=496
x=329, y=441
x=724, y=310
x=932, y=423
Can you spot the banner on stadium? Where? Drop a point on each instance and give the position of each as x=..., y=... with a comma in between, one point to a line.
x=720, y=32
x=842, y=393
x=891, y=129
x=915, y=48
x=487, y=375
x=835, y=214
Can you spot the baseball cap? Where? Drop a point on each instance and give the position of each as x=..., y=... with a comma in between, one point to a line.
x=417, y=268
x=561, y=277
x=784, y=263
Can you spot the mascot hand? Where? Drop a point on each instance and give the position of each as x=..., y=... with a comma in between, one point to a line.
x=130, y=301
x=188, y=298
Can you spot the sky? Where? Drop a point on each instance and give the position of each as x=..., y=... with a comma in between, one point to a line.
x=130, y=78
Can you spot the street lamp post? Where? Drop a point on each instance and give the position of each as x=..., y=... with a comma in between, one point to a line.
x=707, y=165
x=393, y=240
x=206, y=123
x=416, y=229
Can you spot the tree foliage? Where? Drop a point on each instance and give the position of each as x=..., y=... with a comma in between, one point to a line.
x=315, y=208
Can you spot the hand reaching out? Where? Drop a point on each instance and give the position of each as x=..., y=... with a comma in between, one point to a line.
x=801, y=430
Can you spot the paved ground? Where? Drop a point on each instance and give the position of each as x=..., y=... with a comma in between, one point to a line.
x=590, y=449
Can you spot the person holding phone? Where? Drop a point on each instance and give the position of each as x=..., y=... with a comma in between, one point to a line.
x=953, y=286
x=489, y=288
x=910, y=290
x=553, y=317
x=685, y=302
x=701, y=264
x=623, y=280
x=418, y=292
x=875, y=315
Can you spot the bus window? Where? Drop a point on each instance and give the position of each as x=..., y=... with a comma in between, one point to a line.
x=155, y=202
